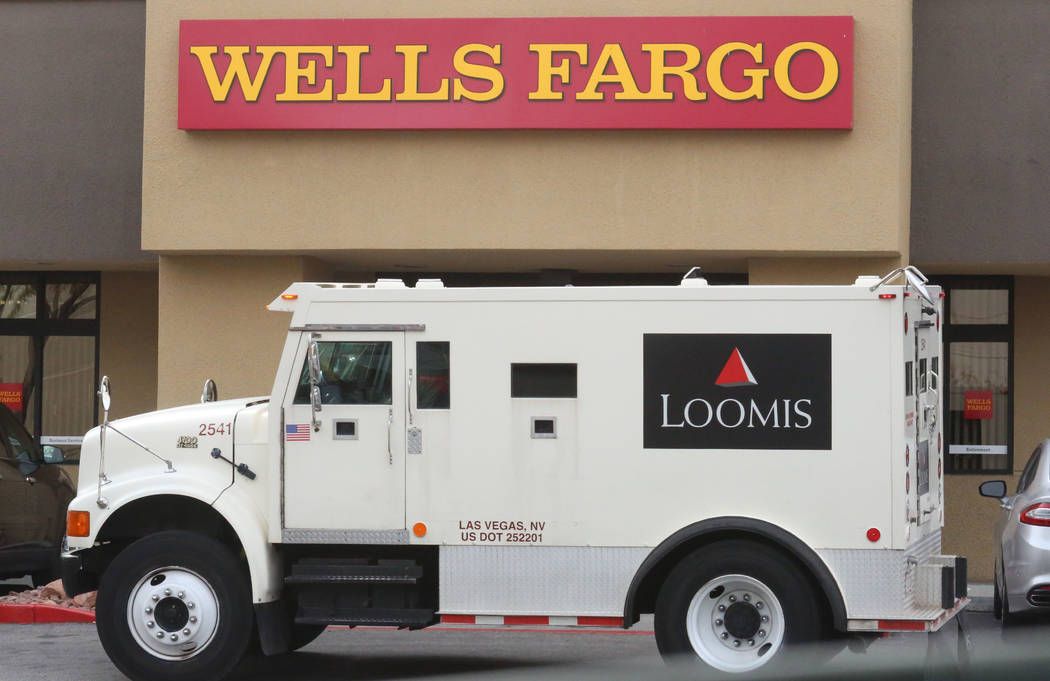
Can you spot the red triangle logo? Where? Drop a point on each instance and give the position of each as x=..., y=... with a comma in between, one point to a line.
x=735, y=372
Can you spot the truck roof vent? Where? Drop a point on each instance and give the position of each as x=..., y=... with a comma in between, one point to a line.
x=390, y=283
x=692, y=278
x=430, y=283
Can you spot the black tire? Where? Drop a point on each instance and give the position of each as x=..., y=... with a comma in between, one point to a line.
x=175, y=553
x=305, y=634
x=802, y=614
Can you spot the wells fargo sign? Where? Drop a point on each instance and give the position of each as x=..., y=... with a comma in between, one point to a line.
x=638, y=72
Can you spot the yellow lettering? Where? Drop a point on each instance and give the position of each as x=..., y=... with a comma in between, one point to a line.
x=295, y=70
x=757, y=76
x=220, y=90
x=411, y=92
x=546, y=70
x=353, y=92
x=782, y=71
x=659, y=71
x=621, y=75
x=480, y=71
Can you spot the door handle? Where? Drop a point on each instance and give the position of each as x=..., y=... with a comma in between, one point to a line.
x=30, y=479
x=390, y=436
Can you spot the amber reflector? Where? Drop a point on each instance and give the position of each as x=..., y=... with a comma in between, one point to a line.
x=78, y=523
x=419, y=529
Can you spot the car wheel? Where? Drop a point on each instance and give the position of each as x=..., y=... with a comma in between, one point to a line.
x=735, y=606
x=174, y=606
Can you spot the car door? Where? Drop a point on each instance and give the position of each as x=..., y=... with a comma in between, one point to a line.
x=344, y=466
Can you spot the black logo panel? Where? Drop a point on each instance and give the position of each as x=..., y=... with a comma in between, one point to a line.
x=737, y=391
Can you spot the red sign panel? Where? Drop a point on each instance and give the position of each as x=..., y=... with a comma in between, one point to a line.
x=628, y=72
x=11, y=396
x=978, y=404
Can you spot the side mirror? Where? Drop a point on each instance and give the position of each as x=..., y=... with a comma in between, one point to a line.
x=210, y=393
x=995, y=489
x=313, y=360
x=53, y=454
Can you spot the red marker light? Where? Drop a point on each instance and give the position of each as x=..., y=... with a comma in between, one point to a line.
x=887, y=296
x=905, y=322
x=874, y=535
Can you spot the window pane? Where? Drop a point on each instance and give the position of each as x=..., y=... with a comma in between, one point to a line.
x=16, y=377
x=17, y=301
x=978, y=406
x=432, y=380
x=69, y=392
x=70, y=301
x=977, y=306
x=543, y=380
x=351, y=373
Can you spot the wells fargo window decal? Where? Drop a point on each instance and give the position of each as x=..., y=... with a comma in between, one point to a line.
x=637, y=72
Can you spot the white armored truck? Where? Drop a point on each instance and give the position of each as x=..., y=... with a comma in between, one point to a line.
x=757, y=465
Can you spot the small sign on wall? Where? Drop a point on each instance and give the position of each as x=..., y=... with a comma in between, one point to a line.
x=978, y=404
x=11, y=396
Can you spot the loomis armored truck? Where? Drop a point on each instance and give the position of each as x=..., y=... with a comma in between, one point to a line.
x=756, y=465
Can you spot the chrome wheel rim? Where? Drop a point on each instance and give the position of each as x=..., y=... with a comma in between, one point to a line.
x=735, y=623
x=173, y=613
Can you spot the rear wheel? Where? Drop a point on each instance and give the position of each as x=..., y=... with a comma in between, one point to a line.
x=735, y=606
x=174, y=605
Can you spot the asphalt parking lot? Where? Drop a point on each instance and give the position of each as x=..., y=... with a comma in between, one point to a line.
x=984, y=651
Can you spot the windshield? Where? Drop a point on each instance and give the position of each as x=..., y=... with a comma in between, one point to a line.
x=16, y=440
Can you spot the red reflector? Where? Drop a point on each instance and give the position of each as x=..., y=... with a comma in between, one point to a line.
x=874, y=535
x=887, y=296
x=943, y=294
x=1037, y=514
x=902, y=625
x=526, y=619
x=905, y=322
x=599, y=621
x=457, y=619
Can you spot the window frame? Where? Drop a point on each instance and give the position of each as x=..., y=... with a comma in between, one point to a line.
x=41, y=327
x=977, y=333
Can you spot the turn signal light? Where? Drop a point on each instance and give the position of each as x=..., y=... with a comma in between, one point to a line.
x=289, y=296
x=1037, y=514
x=78, y=523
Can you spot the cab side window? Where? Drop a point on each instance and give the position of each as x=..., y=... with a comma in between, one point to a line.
x=351, y=373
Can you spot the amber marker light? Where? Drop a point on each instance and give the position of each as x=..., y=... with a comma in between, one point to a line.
x=78, y=523
x=419, y=529
x=289, y=296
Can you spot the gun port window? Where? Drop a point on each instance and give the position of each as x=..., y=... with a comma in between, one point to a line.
x=543, y=380
x=432, y=375
x=351, y=373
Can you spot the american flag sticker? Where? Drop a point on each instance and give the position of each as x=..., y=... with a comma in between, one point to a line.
x=297, y=432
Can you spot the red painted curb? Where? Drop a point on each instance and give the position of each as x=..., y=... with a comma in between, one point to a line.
x=13, y=613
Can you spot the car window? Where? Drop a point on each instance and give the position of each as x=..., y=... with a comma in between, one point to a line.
x=351, y=373
x=17, y=441
x=1029, y=470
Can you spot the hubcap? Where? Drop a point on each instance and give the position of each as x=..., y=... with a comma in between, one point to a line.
x=173, y=613
x=735, y=623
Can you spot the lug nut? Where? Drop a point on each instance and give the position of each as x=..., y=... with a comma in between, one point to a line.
x=736, y=644
x=721, y=608
x=167, y=592
x=190, y=605
x=747, y=597
x=761, y=633
x=732, y=599
x=155, y=598
x=174, y=637
x=150, y=624
x=725, y=635
x=185, y=632
x=181, y=594
x=758, y=605
x=149, y=611
x=765, y=618
x=718, y=623
x=160, y=634
x=193, y=620
x=751, y=642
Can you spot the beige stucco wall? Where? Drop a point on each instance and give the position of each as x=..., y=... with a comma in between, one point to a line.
x=816, y=271
x=969, y=517
x=704, y=192
x=128, y=340
x=214, y=323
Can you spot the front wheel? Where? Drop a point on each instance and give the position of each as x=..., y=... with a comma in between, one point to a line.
x=172, y=606
x=735, y=605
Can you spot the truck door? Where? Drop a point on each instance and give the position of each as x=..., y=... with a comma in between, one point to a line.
x=344, y=466
x=925, y=498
